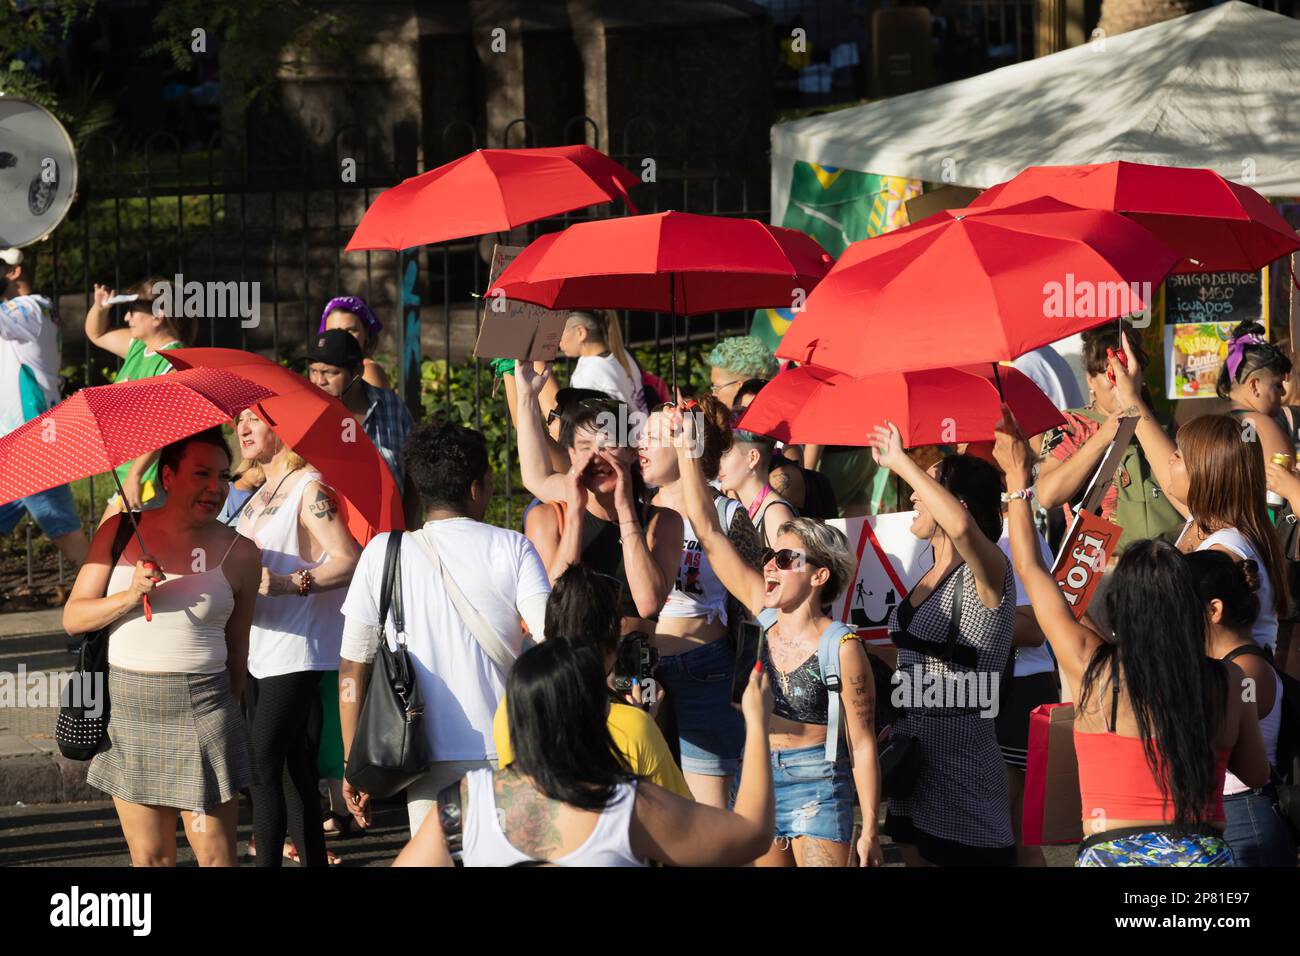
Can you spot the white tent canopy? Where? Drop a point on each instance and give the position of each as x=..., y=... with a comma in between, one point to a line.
x=1212, y=89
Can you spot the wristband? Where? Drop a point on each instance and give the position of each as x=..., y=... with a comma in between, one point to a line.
x=305, y=582
x=1026, y=493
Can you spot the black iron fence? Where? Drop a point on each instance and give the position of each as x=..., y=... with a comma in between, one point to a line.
x=282, y=220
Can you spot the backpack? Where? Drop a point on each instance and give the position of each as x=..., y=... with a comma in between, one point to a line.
x=1142, y=509
x=1286, y=770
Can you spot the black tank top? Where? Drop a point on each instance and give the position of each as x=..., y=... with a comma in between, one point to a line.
x=602, y=551
x=799, y=695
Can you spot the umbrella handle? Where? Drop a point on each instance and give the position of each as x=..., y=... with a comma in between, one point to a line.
x=148, y=611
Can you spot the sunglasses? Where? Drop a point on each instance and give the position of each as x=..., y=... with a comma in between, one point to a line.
x=786, y=559
x=597, y=405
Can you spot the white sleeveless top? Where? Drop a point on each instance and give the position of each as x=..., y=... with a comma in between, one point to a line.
x=698, y=592
x=1269, y=725
x=1264, y=630
x=290, y=633
x=188, y=632
x=485, y=843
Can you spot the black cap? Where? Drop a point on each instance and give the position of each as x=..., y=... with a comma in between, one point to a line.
x=336, y=347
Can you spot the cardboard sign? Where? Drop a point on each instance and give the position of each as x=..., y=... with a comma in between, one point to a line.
x=513, y=329
x=890, y=560
x=1053, y=808
x=1084, y=556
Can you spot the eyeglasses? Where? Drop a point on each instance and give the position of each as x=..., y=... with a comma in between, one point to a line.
x=717, y=388
x=786, y=559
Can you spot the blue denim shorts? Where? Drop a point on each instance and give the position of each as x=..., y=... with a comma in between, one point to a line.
x=55, y=511
x=710, y=731
x=814, y=798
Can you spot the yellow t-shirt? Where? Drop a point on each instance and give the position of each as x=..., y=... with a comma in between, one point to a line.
x=636, y=736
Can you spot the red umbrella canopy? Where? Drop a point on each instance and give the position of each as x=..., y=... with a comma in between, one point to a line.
x=99, y=428
x=987, y=285
x=490, y=190
x=811, y=405
x=317, y=426
x=676, y=262
x=1213, y=223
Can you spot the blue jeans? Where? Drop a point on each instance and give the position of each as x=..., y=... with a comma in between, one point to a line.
x=814, y=798
x=711, y=732
x=1256, y=831
x=54, y=510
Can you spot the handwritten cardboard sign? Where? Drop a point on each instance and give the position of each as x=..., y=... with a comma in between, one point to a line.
x=513, y=329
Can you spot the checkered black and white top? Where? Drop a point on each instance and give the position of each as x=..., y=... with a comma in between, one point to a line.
x=961, y=793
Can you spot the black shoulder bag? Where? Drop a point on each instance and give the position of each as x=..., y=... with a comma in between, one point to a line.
x=81, y=730
x=389, y=750
x=901, y=756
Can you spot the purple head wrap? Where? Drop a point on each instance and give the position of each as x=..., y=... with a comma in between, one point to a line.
x=1237, y=352
x=358, y=307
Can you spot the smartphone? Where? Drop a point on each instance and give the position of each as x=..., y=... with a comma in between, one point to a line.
x=749, y=648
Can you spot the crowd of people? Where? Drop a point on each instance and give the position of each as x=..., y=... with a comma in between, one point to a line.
x=649, y=670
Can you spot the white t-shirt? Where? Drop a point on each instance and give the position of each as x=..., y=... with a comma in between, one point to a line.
x=29, y=360
x=497, y=570
x=1029, y=660
x=604, y=374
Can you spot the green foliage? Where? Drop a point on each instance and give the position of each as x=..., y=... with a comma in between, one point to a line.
x=259, y=38
x=35, y=30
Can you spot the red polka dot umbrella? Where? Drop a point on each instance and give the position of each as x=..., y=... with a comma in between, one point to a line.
x=101, y=427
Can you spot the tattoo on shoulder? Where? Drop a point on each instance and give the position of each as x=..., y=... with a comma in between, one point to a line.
x=325, y=506
x=779, y=480
x=527, y=817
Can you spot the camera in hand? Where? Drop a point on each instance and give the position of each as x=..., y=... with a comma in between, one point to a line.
x=637, y=658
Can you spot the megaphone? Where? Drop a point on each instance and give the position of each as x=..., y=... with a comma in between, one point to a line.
x=38, y=172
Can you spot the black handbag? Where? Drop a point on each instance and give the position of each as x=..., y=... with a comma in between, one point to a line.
x=389, y=750
x=81, y=730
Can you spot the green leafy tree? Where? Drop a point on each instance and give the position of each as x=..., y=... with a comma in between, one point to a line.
x=33, y=32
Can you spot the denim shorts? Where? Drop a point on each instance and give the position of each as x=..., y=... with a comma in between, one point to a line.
x=814, y=798
x=711, y=732
x=1256, y=831
x=55, y=511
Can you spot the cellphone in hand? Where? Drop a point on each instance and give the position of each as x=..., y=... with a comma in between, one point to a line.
x=749, y=648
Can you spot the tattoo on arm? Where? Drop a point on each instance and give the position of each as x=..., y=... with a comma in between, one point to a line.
x=779, y=480
x=325, y=506
x=862, y=698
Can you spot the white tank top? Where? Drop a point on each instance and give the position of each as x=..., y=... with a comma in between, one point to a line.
x=485, y=843
x=290, y=633
x=1269, y=725
x=188, y=632
x=698, y=592
x=1264, y=630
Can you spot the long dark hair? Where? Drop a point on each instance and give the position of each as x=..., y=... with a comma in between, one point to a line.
x=558, y=725
x=978, y=485
x=1176, y=692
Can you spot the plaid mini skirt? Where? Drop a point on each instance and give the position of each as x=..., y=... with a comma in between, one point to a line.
x=175, y=740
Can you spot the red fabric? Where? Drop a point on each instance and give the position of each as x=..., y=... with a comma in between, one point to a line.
x=969, y=286
x=1196, y=212
x=811, y=405
x=674, y=262
x=320, y=428
x=1114, y=777
x=1075, y=433
x=99, y=428
x=490, y=190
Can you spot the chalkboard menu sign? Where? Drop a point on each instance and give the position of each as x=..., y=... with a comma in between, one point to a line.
x=1200, y=312
x=1198, y=297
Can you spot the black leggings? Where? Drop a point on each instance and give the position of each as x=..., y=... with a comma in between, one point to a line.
x=284, y=753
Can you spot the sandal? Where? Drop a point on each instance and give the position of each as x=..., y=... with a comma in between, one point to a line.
x=291, y=853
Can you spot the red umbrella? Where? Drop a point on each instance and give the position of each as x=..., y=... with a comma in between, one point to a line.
x=674, y=262
x=319, y=428
x=811, y=405
x=490, y=190
x=99, y=428
x=964, y=287
x=1213, y=223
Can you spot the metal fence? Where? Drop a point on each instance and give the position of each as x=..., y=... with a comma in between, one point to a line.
x=283, y=218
